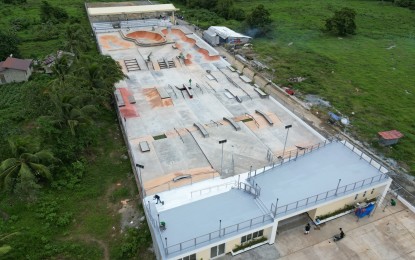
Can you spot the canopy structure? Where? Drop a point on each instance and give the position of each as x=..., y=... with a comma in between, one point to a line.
x=390, y=135
x=136, y=9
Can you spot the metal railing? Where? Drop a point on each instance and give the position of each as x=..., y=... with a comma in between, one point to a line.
x=254, y=189
x=293, y=155
x=291, y=207
x=218, y=234
x=209, y=189
x=365, y=157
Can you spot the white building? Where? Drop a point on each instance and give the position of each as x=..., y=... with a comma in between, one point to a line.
x=228, y=161
x=15, y=70
x=217, y=35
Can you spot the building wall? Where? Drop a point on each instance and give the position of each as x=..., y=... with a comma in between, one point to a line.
x=16, y=75
x=230, y=245
x=347, y=201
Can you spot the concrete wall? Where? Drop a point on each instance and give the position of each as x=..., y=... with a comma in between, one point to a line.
x=230, y=245
x=260, y=81
x=347, y=201
x=249, y=73
x=132, y=16
x=238, y=65
x=12, y=75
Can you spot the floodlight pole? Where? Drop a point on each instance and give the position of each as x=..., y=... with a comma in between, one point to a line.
x=221, y=163
x=286, y=138
x=140, y=179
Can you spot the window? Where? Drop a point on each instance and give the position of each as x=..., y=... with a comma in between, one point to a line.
x=217, y=250
x=189, y=257
x=355, y=197
x=254, y=235
x=364, y=194
x=372, y=191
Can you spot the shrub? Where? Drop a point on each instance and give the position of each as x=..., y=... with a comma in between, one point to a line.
x=336, y=212
x=249, y=244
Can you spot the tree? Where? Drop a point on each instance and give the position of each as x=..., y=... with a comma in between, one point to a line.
x=76, y=39
x=52, y=13
x=25, y=167
x=259, y=21
x=342, y=23
x=8, y=45
x=224, y=7
x=70, y=111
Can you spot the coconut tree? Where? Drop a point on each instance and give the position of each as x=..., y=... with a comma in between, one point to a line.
x=25, y=166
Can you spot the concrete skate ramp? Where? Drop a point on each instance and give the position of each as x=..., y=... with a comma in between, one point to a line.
x=183, y=37
x=146, y=37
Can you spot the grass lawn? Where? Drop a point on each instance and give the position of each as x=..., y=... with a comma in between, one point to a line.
x=370, y=73
x=77, y=222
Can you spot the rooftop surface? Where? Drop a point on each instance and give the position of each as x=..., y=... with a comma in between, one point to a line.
x=164, y=113
x=203, y=216
x=190, y=214
x=314, y=173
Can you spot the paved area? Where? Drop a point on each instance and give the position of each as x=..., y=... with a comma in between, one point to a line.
x=184, y=82
x=385, y=235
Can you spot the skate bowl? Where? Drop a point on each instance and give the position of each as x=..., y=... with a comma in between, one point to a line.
x=144, y=38
x=196, y=46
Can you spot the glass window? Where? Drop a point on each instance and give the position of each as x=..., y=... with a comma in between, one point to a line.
x=243, y=239
x=248, y=237
x=213, y=252
x=260, y=233
x=255, y=234
x=355, y=197
x=372, y=191
x=364, y=194
x=186, y=258
x=221, y=250
x=193, y=257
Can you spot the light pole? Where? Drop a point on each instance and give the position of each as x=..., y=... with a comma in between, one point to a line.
x=286, y=138
x=140, y=179
x=221, y=163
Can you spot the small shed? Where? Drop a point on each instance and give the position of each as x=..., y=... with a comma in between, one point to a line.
x=216, y=35
x=389, y=137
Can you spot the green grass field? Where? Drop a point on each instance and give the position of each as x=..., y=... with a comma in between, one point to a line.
x=370, y=73
x=79, y=221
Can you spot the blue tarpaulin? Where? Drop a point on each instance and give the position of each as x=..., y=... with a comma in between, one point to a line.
x=362, y=212
x=334, y=116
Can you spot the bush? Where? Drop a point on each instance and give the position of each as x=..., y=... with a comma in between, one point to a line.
x=249, y=244
x=337, y=212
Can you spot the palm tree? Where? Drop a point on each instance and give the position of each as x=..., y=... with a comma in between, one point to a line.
x=77, y=40
x=25, y=166
x=70, y=111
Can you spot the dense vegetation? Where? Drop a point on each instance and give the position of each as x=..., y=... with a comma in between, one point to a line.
x=60, y=146
x=367, y=76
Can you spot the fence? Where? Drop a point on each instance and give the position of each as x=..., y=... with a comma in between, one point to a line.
x=218, y=234
x=364, y=156
x=282, y=210
x=209, y=189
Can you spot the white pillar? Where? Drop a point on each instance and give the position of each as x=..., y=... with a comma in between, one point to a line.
x=385, y=191
x=273, y=232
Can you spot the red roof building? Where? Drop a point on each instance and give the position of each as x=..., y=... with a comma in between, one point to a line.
x=389, y=137
x=15, y=70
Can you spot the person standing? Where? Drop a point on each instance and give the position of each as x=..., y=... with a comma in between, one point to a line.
x=307, y=229
x=157, y=197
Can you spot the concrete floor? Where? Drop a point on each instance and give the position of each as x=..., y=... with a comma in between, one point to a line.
x=385, y=235
x=185, y=151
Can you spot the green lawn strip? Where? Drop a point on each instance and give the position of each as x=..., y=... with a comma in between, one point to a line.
x=370, y=73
